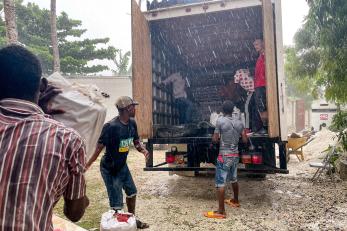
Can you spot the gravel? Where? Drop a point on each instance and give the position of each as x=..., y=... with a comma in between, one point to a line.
x=279, y=202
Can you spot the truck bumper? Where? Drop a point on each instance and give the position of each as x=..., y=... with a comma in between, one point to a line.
x=168, y=169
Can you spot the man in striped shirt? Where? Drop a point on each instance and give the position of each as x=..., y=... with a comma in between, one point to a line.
x=40, y=159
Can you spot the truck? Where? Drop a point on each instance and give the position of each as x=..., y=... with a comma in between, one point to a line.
x=207, y=42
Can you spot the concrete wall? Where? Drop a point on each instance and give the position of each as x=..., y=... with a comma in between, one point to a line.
x=114, y=86
x=291, y=116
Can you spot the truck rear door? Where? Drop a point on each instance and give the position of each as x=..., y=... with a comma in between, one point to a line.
x=141, y=70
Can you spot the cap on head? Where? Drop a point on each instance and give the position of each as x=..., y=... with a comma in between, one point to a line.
x=125, y=101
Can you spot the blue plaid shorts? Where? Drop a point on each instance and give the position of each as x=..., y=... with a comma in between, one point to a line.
x=226, y=170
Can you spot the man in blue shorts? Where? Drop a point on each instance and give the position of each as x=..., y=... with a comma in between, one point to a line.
x=227, y=134
x=116, y=136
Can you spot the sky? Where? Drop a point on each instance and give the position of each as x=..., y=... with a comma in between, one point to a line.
x=111, y=18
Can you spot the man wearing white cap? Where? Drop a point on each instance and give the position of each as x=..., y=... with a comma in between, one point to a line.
x=116, y=136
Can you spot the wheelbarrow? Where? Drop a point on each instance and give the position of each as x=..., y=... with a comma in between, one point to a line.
x=295, y=147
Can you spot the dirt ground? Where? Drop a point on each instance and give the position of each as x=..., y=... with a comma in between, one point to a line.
x=279, y=202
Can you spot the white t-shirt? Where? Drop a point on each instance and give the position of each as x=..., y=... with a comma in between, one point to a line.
x=178, y=84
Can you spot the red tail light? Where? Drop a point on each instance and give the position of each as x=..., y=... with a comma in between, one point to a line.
x=246, y=158
x=170, y=158
x=257, y=158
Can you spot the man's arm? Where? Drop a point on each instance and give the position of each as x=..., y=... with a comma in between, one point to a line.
x=215, y=138
x=103, y=141
x=75, y=199
x=137, y=143
x=216, y=134
x=169, y=79
x=96, y=154
x=244, y=136
x=47, y=93
x=141, y=148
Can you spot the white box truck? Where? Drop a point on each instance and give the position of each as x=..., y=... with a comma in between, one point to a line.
x=206, y=42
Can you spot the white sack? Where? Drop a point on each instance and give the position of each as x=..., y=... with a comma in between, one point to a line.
x=83, y=108
x=110, y=223
x=213, y=118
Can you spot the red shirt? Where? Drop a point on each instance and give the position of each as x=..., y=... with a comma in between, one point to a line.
x=40, y=161
x=259, y=76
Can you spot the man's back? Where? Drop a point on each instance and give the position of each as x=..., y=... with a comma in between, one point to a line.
x=179, y=85
x=40, y=160
x=230, y=130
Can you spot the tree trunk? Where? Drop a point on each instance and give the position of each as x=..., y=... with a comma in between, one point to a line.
x=10, y=22
x=54, y=37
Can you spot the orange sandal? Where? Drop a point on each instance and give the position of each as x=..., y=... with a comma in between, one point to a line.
x=214, y=214
x=232, y=203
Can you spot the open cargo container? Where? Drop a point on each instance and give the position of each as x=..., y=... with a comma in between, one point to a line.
x=207, y=42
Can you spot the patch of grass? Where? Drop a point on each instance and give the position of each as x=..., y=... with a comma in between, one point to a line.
x=98, y=200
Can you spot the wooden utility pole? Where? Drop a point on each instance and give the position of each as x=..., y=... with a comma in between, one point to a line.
x=54, y=37
x=10, y=22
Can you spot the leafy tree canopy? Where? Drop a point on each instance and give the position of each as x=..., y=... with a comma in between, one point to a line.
x=319, y=57
x=76, y=54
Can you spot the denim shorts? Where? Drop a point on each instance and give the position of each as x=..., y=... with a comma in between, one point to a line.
x=115, y=183
x=226, y=170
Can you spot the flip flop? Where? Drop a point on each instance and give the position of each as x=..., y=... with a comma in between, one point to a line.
x=141, y=225
x=232, y=203
x=214, y=214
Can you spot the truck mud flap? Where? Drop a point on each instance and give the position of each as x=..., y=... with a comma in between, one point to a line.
x=168, y=169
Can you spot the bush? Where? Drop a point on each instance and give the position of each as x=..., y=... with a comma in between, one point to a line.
x=339, y=124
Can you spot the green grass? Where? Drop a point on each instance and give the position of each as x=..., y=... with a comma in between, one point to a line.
x=97, y=195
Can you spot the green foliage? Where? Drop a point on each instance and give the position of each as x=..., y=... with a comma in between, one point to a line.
x=339, y=124
x=319, y=57
x=299, y=81
x=328, y=20
x=76, y=54
x=302, y=65
x=122, y=63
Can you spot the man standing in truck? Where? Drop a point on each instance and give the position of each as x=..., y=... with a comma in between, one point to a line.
x=227, y=134
x=116, y=136
x=260, y=85
x=183, y=105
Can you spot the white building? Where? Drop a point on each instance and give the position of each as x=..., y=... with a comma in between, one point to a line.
x=322, y=113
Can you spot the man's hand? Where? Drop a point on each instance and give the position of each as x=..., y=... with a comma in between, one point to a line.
x=74, y=209
x=95, y=155
x=48, y=92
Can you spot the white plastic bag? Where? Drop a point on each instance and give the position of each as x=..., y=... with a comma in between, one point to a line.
x=83, y=108
x=110, y=223
x=214, y=117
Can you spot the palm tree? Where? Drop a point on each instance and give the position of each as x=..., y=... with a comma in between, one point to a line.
x=54, y=37
x=10, y=21
x=122, y=63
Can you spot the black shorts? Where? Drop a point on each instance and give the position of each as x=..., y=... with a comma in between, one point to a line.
x=260, y=98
